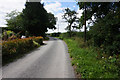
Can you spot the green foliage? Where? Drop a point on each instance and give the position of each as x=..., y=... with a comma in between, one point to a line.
x=15, y=48
x=99, y=57
x=14, y=21
x=36, y=44
x=46, y=38
x=87, y=63
x=76, y=34
x=55, y=34
x=106, y=34
x=70, y=17
x=9, y=33
x=52, y=21
x=64, y=35
x=36, y=20
x=61, y=38
x=98, y=10
x=38, y=40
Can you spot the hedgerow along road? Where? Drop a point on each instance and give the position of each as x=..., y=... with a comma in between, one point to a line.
x=48, y=61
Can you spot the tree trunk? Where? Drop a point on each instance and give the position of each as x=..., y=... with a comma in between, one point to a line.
x=85, y=23
x=70, y=30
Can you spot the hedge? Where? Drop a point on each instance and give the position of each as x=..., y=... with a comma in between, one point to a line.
x=16, y=48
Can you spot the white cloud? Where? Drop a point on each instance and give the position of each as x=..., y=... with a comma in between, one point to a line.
x=53, y=7
x=6, y=6
x=79, y=13
x=74, y=6
x=60, y=25
x=87, y=22
x=61, y=22
x=56, y=8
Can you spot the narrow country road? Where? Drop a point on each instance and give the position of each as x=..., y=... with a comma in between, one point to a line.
x=48, y=61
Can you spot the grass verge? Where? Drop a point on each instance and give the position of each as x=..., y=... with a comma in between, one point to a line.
x=86, y=63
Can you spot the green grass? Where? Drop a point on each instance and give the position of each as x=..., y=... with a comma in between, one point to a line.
x=87, y=63
x=59, y=38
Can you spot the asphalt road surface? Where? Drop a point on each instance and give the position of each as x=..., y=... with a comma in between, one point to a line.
x=48, y=61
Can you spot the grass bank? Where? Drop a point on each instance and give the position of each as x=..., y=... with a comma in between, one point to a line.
x=86, y=62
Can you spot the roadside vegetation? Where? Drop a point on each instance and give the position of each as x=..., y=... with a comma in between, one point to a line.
x=88, y=60
x=14, y=49
x=89, y=63
x=26, y=31
x=95, y=53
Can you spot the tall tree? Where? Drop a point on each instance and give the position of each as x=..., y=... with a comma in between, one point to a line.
x=35, y=19
x=98, y=10
x=105, y=30
x=70, y=17
x=85, y=22
x=52, y=21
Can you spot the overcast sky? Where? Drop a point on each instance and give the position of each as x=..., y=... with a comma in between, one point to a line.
x=55, y=7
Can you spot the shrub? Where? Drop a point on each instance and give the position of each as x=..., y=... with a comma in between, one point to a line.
x=15, y=48
x=46, y=38
x=64, y=35
x=9, y=33
x=38, y=40
x=36, y=44
x=12, y=37
x=106, y=34
x=55, y=34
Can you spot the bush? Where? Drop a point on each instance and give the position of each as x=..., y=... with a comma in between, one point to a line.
x=46, y=38
x=106, y=35
x=12, y=37
x=76, y=34
x=38, y=39
x=55, y=34
x=36, y=44
x=9, y=33
x=64, y=35
x=15, y=48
